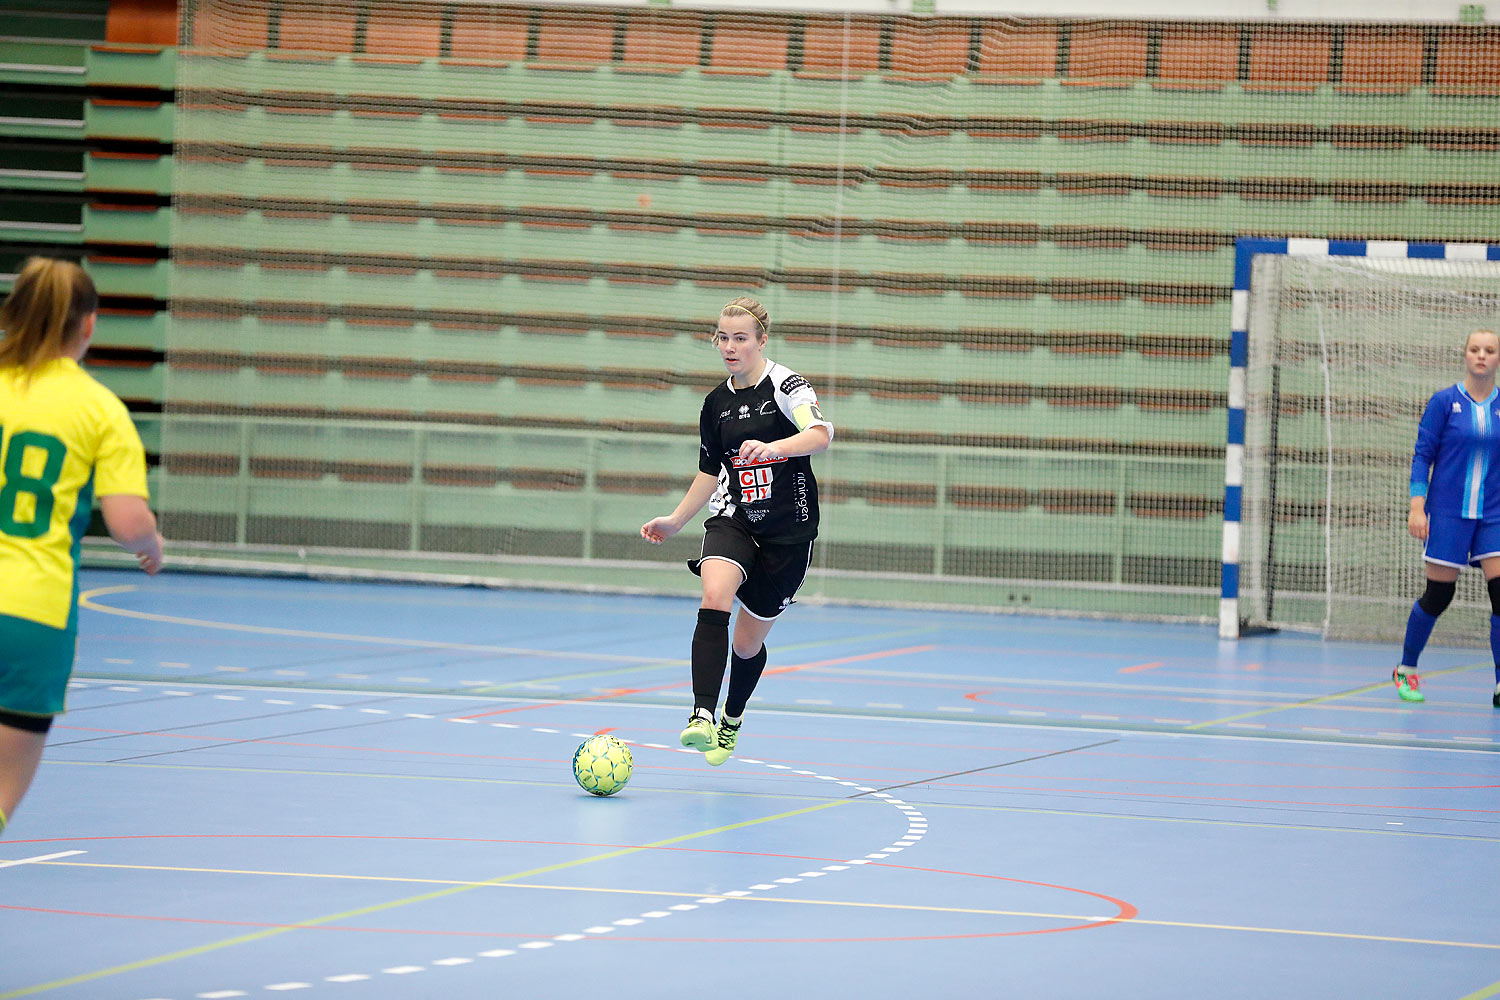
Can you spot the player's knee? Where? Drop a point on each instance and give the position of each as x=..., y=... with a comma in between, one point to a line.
x=1439, y=594
x=1494, y=588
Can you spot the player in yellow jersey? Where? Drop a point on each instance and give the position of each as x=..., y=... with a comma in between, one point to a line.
x=64, y=440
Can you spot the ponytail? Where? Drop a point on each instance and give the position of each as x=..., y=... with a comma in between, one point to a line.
x=44, y=314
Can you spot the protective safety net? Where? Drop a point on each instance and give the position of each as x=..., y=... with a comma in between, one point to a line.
x=442, y=275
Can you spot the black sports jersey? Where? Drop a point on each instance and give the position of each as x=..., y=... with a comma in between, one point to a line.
x=778, y=500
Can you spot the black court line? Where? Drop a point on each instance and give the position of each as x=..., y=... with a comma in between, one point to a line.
x=987, y=767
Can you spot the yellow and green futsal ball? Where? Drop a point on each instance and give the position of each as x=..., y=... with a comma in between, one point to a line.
x=602, y=765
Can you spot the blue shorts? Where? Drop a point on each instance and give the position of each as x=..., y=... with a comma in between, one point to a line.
x=35, y=664
x=1460, y=541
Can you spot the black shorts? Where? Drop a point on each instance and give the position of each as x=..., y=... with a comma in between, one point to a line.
x=771, y=573
x=25, y=723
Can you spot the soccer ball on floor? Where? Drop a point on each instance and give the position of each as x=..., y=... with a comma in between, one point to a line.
x=602, y=765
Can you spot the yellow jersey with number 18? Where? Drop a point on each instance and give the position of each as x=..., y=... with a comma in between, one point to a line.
x=64, y=439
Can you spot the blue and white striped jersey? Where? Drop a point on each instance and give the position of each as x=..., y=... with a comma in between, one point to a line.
x=1455, y=461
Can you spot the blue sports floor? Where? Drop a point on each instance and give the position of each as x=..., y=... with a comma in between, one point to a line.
x=270, y=787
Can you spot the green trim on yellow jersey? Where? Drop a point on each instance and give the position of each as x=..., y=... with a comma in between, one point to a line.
x=64, y=438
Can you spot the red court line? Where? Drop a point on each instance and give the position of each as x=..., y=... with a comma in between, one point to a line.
x=1125, y=910
x=882, y=654
x=623, y=692
x=529, y=935
x=1142, y=666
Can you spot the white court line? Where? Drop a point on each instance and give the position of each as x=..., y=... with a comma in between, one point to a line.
x=39, y=857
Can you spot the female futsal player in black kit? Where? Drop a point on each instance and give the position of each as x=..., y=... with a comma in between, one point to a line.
x=756, y=430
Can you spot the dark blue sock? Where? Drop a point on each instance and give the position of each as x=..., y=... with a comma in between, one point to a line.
x=1418, y=630
x=1495, y=644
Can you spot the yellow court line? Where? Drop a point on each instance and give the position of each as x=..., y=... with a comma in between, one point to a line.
x=851, y=904
x=600, y=890
x=86, y=600
x=636, y=663
x=1327, y=697
x=380, y=907
x=675, y=664
x=1491, y=990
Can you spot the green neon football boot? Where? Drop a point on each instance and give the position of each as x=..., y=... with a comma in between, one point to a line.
x=699, y=734
x=1408, y=685
x=724, y=748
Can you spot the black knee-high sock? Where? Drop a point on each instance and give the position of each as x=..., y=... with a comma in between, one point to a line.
x=710, y=650
x=744, y=674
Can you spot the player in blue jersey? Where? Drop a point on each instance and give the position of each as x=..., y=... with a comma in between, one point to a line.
x=1455, y=502
x=756, y=431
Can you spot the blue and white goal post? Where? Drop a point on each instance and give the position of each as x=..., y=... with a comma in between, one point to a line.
x=1246, y=250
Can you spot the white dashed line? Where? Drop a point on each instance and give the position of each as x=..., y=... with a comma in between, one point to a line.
x=917, y=827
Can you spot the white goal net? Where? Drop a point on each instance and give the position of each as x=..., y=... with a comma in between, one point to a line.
x=1344, y=354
